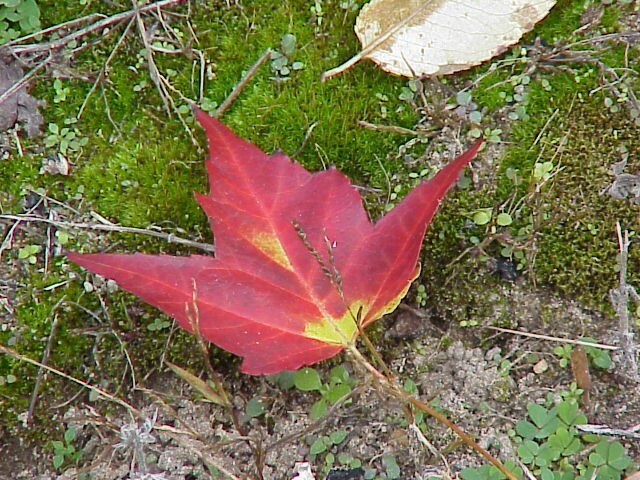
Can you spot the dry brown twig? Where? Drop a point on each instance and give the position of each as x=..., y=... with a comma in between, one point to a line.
x=45, y=359
x=109, y=227
x=627, y=356
x=164, y=87
x=135, y=413
x=41, y=55
x=633, y=433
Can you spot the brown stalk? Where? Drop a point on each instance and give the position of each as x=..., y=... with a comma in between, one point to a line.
x=398, y=392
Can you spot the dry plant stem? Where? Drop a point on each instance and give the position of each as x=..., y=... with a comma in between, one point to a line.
x=109, y=227
x=554, y=339
x=372, y=349
x=193, y=314
x=154, y=73
x=160, y=81
x=61, y=42
x=307, y=136
x=632, y=433
x=103, y=71
x=45, y=358
x=389, y=128
x=620, y=301
x=8, y=239
x=316, y=424
x=242, y=84
x=399, y=393
x=135, y=414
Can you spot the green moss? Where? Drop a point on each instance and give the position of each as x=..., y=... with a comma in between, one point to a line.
x=141, y=168
x=578, y=251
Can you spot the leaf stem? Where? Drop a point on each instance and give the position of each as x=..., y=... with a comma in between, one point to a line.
x=400, y=393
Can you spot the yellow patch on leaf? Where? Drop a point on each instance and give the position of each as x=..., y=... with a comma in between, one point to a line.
x=271, y=247
x=336, y=331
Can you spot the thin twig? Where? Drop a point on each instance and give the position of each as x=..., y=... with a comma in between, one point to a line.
x=103, y=71
x=8, y=239
x=45, y=359
x=606, y=430
x=12, y=353
x=391, y=129
x=61, y=42
x=619, y=298
x=110, y=227
x=306, y=138
x=554, y=339
x=398, y=392
x=242, y=84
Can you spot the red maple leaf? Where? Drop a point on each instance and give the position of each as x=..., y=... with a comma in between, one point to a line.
x=297, y=260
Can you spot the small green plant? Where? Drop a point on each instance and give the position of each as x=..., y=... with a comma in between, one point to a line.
x=469, y=323
x=491, y=135
x=389, y=470
x=512, y=224
x=322, y=444
x=159, y=324
x=573, y=393
x=608, y=461
x=408, y=92
x=551, y=447
x=60, y=91
x=563, y=352
x=29, y=252
x=64, y=452
x=282, y=62
x=7, y=379
x=597, y=357
x=488, y=472
x=17, y=18
x=382, y=101
x=68, y=140
x=62, y=237
x=467, y=108
x=339, y=385
x=349, y=5
x=317, y=12
x=254, y=408
x=208, y=105
x=327, y=445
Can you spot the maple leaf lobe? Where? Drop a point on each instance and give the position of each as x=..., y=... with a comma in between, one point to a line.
x=297, y=258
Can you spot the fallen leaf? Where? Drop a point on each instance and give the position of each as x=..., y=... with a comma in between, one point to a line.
x=439, y=37
x=56, y=164
x=19, y=106
x=297, y=260
x=540, y=367
x=625, y=185
x=206, y=390
x=303, y=471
